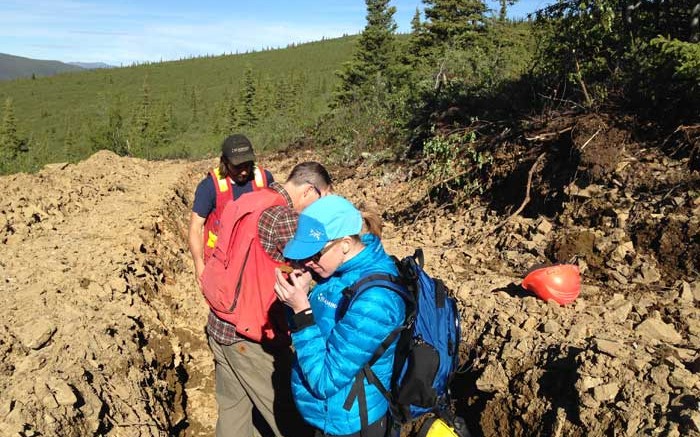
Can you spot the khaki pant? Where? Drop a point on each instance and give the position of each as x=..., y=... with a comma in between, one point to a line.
x=247, y=376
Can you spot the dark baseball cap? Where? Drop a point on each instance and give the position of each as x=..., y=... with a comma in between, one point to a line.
x=237, y=149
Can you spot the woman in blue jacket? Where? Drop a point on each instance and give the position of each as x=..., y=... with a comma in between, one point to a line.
x=332, y=350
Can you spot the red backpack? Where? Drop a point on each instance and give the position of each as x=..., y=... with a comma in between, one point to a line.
x=238, y=279
x=224, y=194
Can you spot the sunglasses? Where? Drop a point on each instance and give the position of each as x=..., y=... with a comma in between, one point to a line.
x=318, y=255
x=315, y=189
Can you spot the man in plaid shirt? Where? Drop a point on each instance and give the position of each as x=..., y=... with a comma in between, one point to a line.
x=252, y=374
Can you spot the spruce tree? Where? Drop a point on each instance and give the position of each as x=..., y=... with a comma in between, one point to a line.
x=377, y=39
x=374, y=54
x=110, y=131
x=231, y=114
x=282, y=93
x=115, y=130
x=265, y=99
x=161, y=127
x=141, y=123
x=10, y=142
x=217, y=121
x=70, y=143
x=249, y=117
x=194, y=105
x=415, y=49
x=454, y=21
x=290, y=94
x=142, y=117
x=504, y=8
x=415, y=22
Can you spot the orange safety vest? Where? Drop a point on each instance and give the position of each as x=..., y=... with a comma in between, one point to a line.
x=238, y=280
x=224, y=194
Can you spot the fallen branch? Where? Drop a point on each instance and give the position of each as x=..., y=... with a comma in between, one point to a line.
x=555, y=99
x=686, y=131
x=672, y=190
x=549, y=135
x=446, y=180
x=527, y=196
x=684, y=128
x=152, y=425
x=590, y=139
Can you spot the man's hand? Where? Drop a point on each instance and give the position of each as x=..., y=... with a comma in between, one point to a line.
x=198, y=269
x=195, y=240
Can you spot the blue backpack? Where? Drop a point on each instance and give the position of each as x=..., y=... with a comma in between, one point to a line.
x=426, y=354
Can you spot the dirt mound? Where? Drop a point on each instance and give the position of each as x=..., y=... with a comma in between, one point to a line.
x=80, y=338
x=103, y=327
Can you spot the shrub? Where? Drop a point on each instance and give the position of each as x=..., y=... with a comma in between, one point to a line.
x=455, y=163
x=590, y=50
x=668, y=79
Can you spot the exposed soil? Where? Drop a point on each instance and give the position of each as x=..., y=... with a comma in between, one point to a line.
x=102, y=332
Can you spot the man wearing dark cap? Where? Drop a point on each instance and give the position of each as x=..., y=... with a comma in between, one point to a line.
x=236, y=175
x=247, y=326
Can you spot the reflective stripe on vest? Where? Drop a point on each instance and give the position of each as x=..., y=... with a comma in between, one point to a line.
x=224, y=183
x=260, y=180
x=224, y=194
x=211, y=239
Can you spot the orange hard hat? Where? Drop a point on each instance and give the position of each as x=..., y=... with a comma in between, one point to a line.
x=561, y=283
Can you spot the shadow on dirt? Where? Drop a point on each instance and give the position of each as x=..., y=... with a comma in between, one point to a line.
x=514, y=290
x=558, y=384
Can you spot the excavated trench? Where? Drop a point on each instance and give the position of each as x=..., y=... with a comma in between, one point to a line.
x=188, y=367
x=103, y=333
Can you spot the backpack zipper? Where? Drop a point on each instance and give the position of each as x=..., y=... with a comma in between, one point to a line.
x=240, y=279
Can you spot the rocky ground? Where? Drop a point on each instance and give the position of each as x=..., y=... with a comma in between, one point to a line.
x=102, y=328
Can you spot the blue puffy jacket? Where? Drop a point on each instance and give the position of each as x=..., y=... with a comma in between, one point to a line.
x=331, y=352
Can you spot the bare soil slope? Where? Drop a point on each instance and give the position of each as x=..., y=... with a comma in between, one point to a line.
x=102, y=327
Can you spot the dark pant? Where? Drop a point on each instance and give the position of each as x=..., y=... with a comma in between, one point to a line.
x=376, y=429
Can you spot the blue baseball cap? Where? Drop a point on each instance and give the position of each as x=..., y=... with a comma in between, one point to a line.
x=327, y=219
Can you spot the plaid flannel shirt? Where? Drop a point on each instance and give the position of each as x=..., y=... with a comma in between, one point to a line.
x=275, y=228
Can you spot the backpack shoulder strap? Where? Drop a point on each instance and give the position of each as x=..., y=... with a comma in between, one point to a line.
x=390, y=282
x=384, y=280
x=406, y=286
x=393, y=283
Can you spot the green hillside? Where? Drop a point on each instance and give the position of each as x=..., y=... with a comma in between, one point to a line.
x=12, y=67
x=173, y=109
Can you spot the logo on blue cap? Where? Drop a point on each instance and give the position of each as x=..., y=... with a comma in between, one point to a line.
x=326, y=219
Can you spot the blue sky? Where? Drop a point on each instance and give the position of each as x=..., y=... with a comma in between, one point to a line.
x=122, y=32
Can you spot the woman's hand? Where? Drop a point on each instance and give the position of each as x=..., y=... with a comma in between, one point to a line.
x=293, y=292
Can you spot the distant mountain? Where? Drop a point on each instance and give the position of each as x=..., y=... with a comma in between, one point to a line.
x=12, y=67
x=91, y=65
